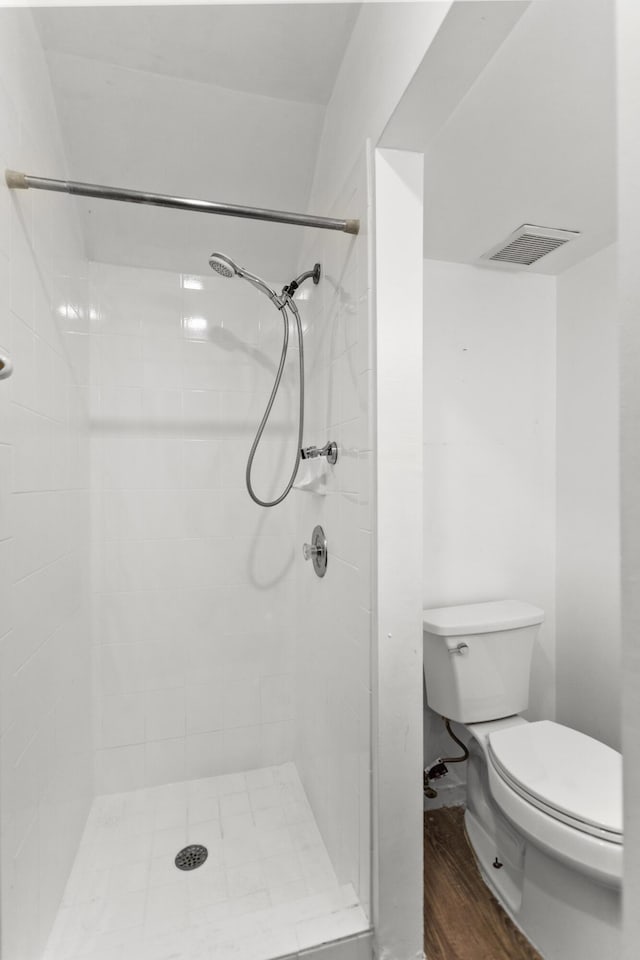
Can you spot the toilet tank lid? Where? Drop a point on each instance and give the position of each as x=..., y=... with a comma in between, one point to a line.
x=469, y=618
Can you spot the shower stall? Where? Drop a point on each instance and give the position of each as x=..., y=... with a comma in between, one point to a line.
x=185, y=750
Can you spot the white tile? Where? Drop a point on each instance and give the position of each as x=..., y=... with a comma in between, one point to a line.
x=237, y=826
x=287, y=892
x=164, y=714
x=209, y=833
x=167, y=815
x=241, y=704
x=233, y=804
x=265, y=797
x=256, y=779
x=275, y=842
x=120, y=768
x=130, y=876
x=201, y=414
x=203, y=808
x=168, y=841
x=286, y=773
x=320, y=881
x=202, y=788
x=161, y=871
x=305, y=835
x=204, y=754
x=125, y=910
x=344, y=923
x=297, y=812
x=201, y=465
x=166, y=909
x=207, y=886
x=242, y=906
x=122, y=720
x=282, y=868
x=245, y=880
x=269, y=819
x=164, y=761
x=251, y=886
x=240, y=849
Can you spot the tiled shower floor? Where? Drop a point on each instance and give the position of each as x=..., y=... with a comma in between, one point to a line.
x=267, y=889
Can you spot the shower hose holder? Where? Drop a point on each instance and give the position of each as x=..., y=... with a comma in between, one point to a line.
x=330, y=451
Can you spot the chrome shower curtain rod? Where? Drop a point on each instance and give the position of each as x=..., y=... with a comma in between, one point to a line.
x=24, y=181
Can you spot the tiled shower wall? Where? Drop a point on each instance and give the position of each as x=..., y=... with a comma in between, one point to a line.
x=193, y=584
x=333, y=650
x=45, y=675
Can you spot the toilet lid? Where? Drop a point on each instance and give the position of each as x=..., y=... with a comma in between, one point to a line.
x=569, y=775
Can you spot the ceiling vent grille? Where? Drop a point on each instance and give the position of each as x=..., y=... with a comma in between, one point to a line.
x=527, y=245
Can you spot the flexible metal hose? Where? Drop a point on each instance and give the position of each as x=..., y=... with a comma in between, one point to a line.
x=463, y=746
x=267, y=412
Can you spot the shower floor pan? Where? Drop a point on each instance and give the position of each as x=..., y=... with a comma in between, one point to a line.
x=266, y=889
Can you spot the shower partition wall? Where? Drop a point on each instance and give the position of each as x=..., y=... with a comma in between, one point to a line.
x=333, y=649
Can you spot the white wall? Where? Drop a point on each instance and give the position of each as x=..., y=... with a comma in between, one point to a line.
x=588, y=502
x=489, y=453
x=628, y=90
x=45, y=725
x=521, y=394
x=397, y=675
x=194, y=591
x=333, y=637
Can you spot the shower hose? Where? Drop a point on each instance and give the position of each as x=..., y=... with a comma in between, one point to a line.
x=287, y=301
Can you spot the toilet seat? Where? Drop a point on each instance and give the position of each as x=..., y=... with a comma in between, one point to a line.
x=566, y=774
x=554, y=811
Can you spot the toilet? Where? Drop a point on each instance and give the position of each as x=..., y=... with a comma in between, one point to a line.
x=544, y=802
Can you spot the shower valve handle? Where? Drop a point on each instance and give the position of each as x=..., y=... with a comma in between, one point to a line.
x=317, y=551
x=310, y=550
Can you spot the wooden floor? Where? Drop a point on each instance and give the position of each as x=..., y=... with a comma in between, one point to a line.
x=463, y=921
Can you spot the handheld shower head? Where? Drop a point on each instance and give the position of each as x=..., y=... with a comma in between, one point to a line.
x=226, y=267
x=223, y=266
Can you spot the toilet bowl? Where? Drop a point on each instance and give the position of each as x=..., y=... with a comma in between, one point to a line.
x=544, y=802
x=563, y=790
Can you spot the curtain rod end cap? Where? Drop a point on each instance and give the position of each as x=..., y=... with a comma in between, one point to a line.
x=352, y=226
x=15, y=180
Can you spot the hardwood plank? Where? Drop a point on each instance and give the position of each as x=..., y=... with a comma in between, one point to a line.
x=463, y=921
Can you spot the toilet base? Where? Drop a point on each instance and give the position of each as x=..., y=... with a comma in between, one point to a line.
x=565, y=915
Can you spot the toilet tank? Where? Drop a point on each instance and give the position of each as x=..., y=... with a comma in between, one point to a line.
x=477, y=658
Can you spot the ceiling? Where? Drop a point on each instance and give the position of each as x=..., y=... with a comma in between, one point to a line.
x=218, y=102
x=286, y=51
x=532, y=141
x=227, y=102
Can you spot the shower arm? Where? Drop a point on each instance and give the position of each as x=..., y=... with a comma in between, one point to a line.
x=290, y=288
x=24, y=181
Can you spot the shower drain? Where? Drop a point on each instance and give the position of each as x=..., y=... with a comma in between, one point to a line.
x=191, y=857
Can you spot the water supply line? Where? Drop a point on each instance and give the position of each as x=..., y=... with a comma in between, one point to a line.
x=438, y=769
